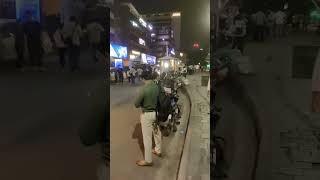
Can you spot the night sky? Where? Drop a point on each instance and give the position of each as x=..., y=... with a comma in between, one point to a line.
x=195, y=20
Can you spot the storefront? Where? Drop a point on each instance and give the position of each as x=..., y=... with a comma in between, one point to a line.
x=138, y=58
x=17, y=9
x=135, y=58
x=148, y=59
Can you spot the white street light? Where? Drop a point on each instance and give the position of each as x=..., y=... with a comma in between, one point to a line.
x=177, y=14
x=132, y=56
x=134, y=24
x=150, y=27
x=166, y=65
x=181, y=54
x=135, y=52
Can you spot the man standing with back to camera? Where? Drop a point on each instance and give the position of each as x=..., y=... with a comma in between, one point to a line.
x=148, y=101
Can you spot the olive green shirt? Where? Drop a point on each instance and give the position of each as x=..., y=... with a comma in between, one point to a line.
x=148, y=97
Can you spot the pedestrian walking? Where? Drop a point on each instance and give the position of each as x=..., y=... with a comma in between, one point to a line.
x=280, y=18
x=116, y=75
x=270, y=24
x=260, y=25
x=60, y=45
x=33, y=32
x=72, y=32
x=120, y=73
x=94, y=30
x=238, y=33
x=20, y=41
x=132, y=73
x=148, y=102
x=139, y=70
x=128, y=75
x=254, y=26
x=184, y=71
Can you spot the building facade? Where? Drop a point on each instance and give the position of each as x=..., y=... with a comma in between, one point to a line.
x=166, y=35
x=135, y=33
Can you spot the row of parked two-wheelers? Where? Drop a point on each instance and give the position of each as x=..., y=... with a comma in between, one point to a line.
x=222, y=71
x=169, y=110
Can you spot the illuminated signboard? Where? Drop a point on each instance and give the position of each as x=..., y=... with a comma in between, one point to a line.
x=142, y=42
x=176, y=14
x=118, y=63
x=151, y=59
x=24, y=6
x=118, y=51
x=144, y=58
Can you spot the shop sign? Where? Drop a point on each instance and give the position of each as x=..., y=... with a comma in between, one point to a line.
x=118, y=51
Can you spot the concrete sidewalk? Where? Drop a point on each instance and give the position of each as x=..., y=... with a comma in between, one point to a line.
x=195, y=161
x=280, y=104
x=127, y=142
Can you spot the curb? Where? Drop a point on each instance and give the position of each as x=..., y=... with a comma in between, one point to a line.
x=186, y=92
x=252, y=109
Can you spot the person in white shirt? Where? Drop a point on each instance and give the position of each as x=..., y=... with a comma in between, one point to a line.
x=139, y=70
x=280, y=19
x=60, y=45
x=132, y=73
x=94, y=30
x=270, y=23
x=72, y=33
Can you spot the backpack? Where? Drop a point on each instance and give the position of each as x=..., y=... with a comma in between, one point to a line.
x=163, y=105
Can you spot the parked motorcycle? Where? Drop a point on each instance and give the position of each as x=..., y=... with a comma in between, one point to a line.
x=170, y=84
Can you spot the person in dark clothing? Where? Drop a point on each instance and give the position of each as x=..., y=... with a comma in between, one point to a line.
x=20, y=44
x=33, y=31
x=120, y=73
x=239, y=33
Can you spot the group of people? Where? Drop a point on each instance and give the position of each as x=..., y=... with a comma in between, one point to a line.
x=31, y=36
x=259, y=25
x=270, y=24
x=68, y=37
x=132, y=73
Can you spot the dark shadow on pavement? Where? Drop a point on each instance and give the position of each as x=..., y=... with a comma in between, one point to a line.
x=137, y=134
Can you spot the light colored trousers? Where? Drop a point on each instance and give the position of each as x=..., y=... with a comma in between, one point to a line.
x=147, y=120
x=103, y=172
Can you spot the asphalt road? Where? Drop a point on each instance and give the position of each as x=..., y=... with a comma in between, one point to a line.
x=127, y=143
x=40, y=117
